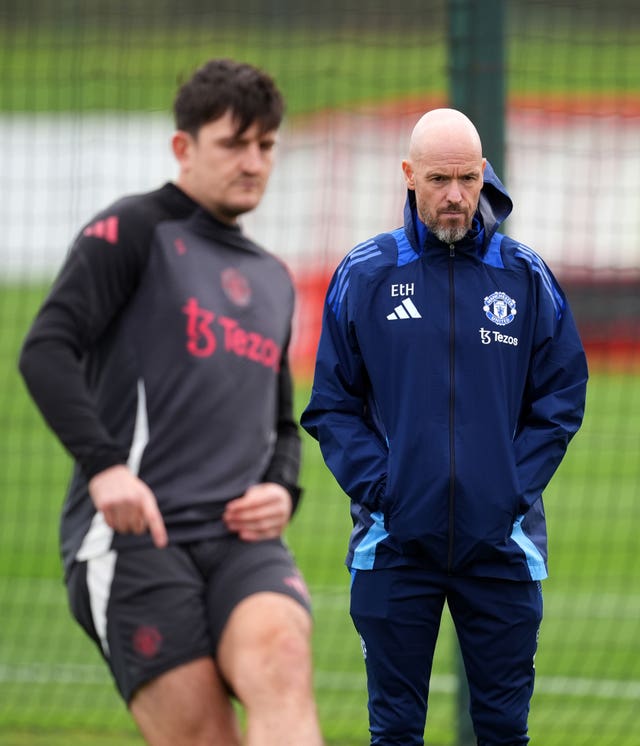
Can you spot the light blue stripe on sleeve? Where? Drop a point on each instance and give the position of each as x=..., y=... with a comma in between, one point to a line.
x=492, y=256
x=524, y=252
x=406, y=252
x=343, y=270
x=360, y=254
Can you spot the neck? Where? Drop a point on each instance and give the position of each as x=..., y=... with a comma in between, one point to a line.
x=224, y=216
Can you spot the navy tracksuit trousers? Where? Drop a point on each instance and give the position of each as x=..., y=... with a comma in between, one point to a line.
x=397, y=614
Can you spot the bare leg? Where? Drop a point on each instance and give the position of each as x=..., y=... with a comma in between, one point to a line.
x=265, y=655
x=188, y=706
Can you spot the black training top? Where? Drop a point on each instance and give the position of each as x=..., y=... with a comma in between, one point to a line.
x=163, y=344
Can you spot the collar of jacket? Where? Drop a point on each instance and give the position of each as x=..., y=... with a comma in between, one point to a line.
x=473, y=241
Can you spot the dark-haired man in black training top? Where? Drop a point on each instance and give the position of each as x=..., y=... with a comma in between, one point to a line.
x=159, y=359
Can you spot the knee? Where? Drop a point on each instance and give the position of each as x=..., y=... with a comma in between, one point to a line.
x=270, y=654
x=281, y=658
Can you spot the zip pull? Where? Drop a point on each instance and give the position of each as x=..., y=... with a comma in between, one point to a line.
x=452, y=250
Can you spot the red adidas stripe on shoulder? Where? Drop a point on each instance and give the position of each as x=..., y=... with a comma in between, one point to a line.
x=107, y=229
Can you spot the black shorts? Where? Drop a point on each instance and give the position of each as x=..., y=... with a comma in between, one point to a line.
x=150, y=610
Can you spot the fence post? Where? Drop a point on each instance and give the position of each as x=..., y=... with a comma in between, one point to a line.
x=477, y=70
x=477, y=88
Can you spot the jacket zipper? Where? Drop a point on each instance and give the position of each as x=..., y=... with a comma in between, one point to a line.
x=452, y=400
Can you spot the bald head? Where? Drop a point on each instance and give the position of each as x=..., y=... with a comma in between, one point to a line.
x=445, y=169
x=444, y=129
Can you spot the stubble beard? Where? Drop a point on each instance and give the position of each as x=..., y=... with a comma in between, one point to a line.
x=450, y=235
x=446, y=234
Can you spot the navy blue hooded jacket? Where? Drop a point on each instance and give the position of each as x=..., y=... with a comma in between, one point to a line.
x=449, y=380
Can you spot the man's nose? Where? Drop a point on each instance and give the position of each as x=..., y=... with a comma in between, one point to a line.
x=252, y=158
x=454, y=193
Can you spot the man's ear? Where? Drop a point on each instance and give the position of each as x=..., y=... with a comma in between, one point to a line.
x=409, y=176
x=181, y=144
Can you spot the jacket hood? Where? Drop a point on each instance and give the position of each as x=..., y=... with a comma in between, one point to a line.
x=494, y=207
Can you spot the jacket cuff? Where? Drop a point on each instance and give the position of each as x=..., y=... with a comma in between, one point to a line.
x=100, y=461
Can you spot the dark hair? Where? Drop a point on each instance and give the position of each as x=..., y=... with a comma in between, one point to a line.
x=222, y=85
